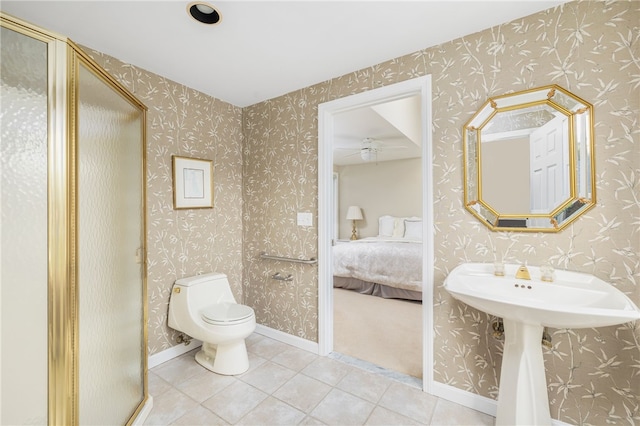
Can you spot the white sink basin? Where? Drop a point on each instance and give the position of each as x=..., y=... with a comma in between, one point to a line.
x=572, y=300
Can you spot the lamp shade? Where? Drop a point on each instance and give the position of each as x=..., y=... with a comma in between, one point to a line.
x=354, y=213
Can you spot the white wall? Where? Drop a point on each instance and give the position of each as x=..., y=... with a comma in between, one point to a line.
x=388, y=187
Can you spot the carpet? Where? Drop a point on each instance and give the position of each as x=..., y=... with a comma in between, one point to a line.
x=384, y=332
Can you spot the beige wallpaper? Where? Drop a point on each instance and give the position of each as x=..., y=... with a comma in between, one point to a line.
x=182, y=121
x=590, y=48
x=386, y=188
x=280, y=179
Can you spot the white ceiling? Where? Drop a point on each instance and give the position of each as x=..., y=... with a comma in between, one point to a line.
x=264, y=49
x=391, y=131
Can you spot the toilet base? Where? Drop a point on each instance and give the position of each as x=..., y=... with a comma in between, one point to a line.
x=228, y=359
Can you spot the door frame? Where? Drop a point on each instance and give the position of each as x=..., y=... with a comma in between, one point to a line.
x=326, y=111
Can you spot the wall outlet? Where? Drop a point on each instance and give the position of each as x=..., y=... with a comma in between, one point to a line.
x=305, y=219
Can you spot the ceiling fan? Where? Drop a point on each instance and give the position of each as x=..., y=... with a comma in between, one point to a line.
x=369, y=148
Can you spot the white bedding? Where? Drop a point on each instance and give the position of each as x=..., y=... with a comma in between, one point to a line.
x=395, y=262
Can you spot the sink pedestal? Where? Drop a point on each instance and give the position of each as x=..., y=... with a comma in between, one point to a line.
x=574, y=300
x=522, y=397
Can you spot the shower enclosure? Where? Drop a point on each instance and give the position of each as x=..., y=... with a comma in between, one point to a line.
x=72, y=236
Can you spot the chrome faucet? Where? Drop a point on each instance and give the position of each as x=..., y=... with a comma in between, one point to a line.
x=523, y=273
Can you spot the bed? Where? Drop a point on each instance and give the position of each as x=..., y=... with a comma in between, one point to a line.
x=389, y=265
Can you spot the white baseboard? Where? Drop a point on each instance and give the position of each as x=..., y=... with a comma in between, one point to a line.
x=289, y=339
x=144, y=413
x=172, y=352
x=175, y=351
x=474, y=401
x=468, y=399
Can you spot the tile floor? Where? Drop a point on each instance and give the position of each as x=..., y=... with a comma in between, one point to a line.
x=289, y=386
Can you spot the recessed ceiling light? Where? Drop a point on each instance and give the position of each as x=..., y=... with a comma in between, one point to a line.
x=203, y=12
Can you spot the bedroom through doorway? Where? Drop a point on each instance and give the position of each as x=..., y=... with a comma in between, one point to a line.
x=377, y=260
x=375, y=226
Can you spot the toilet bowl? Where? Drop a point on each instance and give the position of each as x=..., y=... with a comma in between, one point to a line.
x=204, y=308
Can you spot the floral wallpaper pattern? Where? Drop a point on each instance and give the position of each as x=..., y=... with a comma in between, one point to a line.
x=590, y=48
x=265, y=171
x=281, y=173
x=182, y=121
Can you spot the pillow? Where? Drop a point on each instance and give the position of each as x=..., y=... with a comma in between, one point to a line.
x=385, y=226
x=398, y=227
x=413, y=229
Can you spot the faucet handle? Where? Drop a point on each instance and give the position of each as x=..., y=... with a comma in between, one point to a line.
x=523, y=273
x=546, y=273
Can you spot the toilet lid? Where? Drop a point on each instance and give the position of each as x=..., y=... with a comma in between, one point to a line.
x=226, y=313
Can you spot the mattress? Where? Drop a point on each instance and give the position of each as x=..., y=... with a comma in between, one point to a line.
x=390, y=262
x=380, y=290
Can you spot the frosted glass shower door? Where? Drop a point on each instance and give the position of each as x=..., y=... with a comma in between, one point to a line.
x=23, y=230
x=110, y=242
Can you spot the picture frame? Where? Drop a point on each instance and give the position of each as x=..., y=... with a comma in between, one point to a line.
x=192, y=183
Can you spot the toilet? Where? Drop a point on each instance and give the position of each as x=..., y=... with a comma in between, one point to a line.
x=204, y=308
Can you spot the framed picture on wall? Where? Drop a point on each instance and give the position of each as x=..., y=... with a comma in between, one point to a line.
x=192, y=183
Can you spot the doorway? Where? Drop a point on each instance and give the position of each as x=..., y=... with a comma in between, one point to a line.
x=327, y=114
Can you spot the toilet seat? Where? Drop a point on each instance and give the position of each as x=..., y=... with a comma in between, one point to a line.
x=226, y=314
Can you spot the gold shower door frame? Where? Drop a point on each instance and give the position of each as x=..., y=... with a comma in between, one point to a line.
x=64, y=59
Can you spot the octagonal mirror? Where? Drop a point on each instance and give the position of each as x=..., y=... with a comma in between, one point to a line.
x=528, y=160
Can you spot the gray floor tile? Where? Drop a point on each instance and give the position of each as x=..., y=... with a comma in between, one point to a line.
x=303, y=392
x=409, y=402
x=253, y=339
x=383, y=417
x=157, y=385
x=235, y=402
x=365, y=385
x=341, y=408
x=168, y=407
x=273, y=412
x=268, y=377
x=267, y=348
x=449, y=413
x=327, y=370
x=179, y=369
x=310, y=421
x=200, y=416
x=204, y=385
x=294, y=358
x=305, y=389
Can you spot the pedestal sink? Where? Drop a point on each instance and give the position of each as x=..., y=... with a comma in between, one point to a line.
x=572, y=300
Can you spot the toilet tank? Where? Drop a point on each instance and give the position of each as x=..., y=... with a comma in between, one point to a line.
x=201, y=291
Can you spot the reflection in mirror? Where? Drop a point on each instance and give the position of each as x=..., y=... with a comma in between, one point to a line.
x=529, y=160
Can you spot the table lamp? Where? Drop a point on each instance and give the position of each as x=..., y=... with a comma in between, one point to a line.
x=354, y=213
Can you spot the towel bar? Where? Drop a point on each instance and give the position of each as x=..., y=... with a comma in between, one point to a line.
x=289, y=259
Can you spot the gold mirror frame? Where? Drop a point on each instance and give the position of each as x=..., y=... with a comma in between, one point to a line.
x=577, y=168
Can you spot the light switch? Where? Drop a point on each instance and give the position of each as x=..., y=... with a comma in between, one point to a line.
x=305, y=219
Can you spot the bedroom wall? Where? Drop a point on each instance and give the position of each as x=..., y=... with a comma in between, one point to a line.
x=182, y=121
x=590, y=48
x=505, y=175
x=388, y=187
